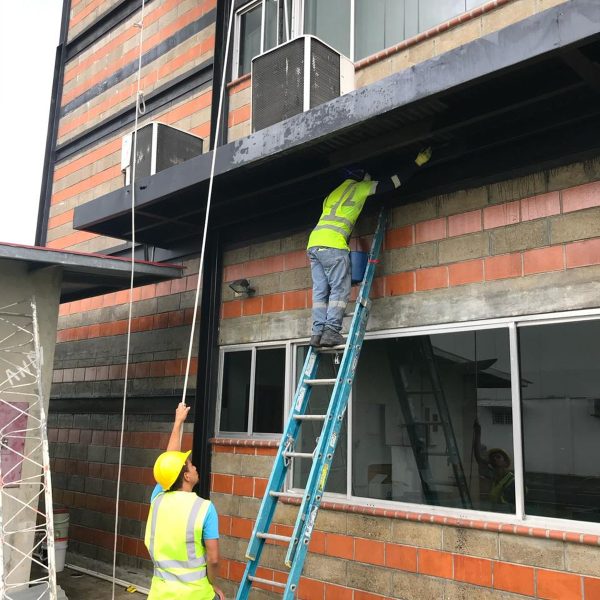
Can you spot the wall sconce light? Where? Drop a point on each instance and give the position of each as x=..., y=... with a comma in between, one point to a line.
x=241, y=287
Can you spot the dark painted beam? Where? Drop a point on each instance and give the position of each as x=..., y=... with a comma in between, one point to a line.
x=588, y=71
x=301, y=146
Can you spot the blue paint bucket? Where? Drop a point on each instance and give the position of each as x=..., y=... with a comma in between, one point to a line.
x=358, y=265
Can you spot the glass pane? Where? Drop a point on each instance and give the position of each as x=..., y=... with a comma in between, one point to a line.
x=379, y=24
x=269, y=389
x=560, y=395
x=250, y=23
x=310, y=430
x=424, y=425
x=236, y=391
x=434, y=12
x=271, y=9
x=329, y=20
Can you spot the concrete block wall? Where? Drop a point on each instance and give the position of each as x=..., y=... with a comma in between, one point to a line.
x=480, y=21
x=85, y=452
x=359, y=553
x=452, y=258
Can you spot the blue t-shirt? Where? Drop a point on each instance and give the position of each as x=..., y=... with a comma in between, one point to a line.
x=210, y=527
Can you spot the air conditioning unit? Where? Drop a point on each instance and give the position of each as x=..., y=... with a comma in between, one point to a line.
x=296, y=77
x=158, y=147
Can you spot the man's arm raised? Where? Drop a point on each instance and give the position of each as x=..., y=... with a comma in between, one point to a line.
x=180, y=416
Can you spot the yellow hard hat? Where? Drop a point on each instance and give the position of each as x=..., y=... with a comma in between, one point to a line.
x=168, y=466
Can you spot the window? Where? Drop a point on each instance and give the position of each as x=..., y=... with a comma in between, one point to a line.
x=252, y=390
x=560, y=385
x=357, y=28
x=502, y=418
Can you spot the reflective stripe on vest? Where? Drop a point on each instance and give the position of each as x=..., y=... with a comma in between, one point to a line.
x=193, y=568
x=341, y=209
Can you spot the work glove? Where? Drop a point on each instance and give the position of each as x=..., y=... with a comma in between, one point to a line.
x=423, y=156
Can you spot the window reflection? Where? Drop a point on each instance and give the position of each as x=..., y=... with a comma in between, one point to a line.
x=560, y=396
x=420, y=405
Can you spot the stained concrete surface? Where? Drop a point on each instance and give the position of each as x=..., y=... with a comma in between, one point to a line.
x=80, y=586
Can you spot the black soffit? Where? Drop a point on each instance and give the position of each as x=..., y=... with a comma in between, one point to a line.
x=524, y=98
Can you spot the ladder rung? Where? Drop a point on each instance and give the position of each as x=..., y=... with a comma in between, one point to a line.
x=274, y=537
x=310, y=417
x=320, y=381
x=298, y=454
x=266, y=581
x=330, y=349
x=286, y=495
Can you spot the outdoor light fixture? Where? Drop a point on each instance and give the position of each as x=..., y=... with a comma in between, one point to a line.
x=241, y=287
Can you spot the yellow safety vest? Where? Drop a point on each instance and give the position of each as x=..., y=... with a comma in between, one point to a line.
x=340, y=212
x=174, y=541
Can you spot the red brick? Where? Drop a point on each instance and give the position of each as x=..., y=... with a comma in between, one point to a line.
x=360, y=595
x=243, y=486
x=468, y=222
x=400, y=284
x=470, y=271
x=514, y=578
x=542, y=260
x=501, y=215
x=402, y=237
x=591, y=588
x=554, y=585
x=340, y=546
x=260, y=485
x=540, y=206
x=272, y=303
x=369, y=551
x=232, y=309
x=295, y=260
x=252, y=306
x=317, y=542
x=236, y=570
x=580, y=197
x=310, y=589
x=432, y=278
x=473, y=570
x=503, y=267
x=222, y=483
x=432, y=562
x=401, y=557
x=581, y=254
x=294, y=300
x=428, y=231
x=73, y=436
x=337, y=592
x=241, y=527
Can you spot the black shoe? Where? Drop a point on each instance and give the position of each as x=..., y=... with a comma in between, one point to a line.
x=332, y=338
x=315, y=341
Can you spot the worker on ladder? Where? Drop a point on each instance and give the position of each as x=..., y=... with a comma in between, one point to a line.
x=329, y=253
x=182, y=532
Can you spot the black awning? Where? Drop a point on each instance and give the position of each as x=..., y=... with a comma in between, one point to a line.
x=521, y=99
x=85, y=275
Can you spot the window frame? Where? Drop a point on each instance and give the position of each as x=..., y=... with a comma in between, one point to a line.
x=253, y=348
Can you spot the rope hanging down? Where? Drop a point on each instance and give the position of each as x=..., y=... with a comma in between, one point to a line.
x=140, y=109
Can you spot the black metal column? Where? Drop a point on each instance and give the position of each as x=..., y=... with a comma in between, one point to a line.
x=53, y=119
x=208, y=359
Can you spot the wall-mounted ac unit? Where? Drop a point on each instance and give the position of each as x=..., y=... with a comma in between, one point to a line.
x=158, y=147
x=295, y=77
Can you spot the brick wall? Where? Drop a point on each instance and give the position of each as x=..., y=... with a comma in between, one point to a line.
x=375, y=554
x=85, y=454
x=447, y=259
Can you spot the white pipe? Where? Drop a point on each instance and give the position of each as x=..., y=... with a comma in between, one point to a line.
x=121, y=582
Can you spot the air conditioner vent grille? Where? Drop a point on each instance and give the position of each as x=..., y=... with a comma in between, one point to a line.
x=324, y=74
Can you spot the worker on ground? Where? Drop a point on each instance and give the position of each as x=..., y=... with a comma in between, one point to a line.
x=182, y=532
x=329, y=253
x=495, y=467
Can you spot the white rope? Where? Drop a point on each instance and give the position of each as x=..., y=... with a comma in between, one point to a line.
x=138, y=98
x=208, y=204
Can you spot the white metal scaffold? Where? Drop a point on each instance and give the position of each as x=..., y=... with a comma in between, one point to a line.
x=25, y=465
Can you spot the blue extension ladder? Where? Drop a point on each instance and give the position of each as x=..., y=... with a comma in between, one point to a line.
x=322, y=456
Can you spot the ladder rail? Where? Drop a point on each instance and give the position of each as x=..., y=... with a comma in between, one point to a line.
x=278, y=474
x=337, y=408
x=322, y=456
